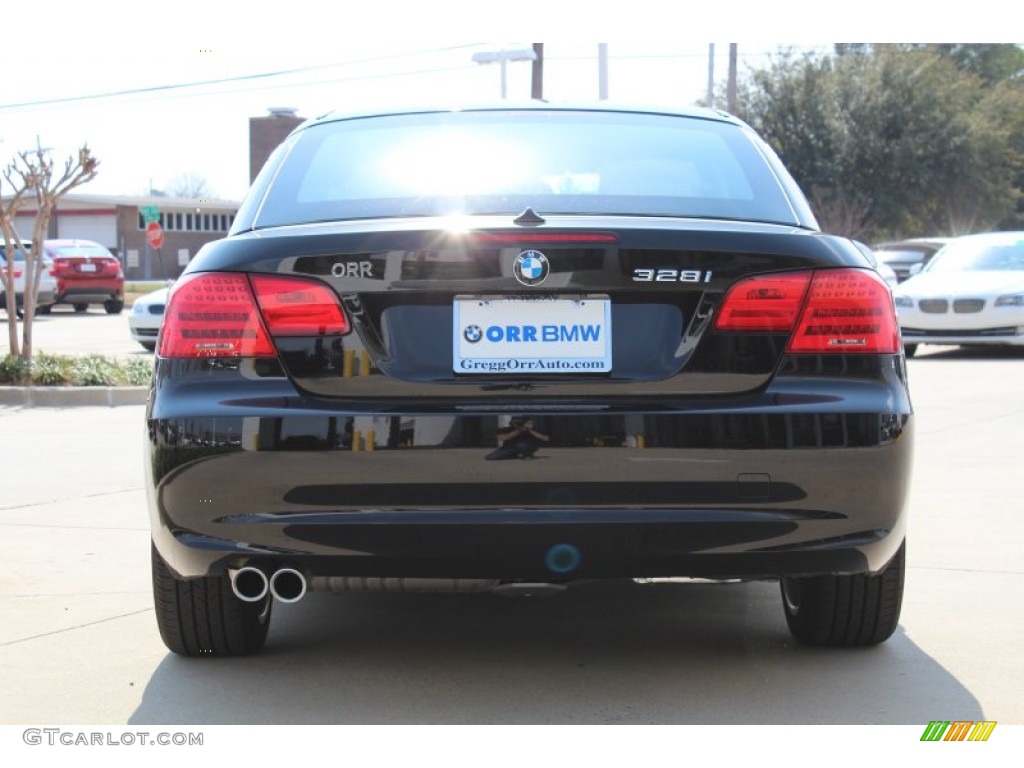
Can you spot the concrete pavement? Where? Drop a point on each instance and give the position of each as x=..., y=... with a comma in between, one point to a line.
x=78, y=641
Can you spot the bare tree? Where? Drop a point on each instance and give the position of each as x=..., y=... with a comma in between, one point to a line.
x=33, y=174
x=8, y=211
x=189, y=184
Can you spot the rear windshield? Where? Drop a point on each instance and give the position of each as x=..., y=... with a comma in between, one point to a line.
x=496, y=162
x=80, y=250
x=891, y=255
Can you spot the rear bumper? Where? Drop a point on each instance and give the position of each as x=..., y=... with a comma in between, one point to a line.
x=43, y=298
x=719, y=493
x=91, y=291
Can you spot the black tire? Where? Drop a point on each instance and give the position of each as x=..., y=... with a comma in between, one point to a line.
x=149, y=346
x=846, y=611
x=80, y=307
x=910, y=349
x=45, y=310
x=202, y=617
x=114, y=306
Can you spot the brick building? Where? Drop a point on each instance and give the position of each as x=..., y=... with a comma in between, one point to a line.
x=265, y=133
x=117, y=222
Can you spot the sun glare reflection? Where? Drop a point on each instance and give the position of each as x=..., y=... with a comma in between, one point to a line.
x=455, y=164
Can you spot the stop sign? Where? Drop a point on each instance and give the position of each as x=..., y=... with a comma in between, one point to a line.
x=155, y=234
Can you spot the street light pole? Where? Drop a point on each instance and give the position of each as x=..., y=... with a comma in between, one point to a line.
x=602, y=71
x=502, y=57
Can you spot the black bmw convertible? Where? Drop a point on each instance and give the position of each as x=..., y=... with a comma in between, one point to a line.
x=516, y=347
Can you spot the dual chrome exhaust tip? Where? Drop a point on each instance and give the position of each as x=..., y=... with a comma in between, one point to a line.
x=251, y=584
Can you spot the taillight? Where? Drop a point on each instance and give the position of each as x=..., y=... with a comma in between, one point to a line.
x=833, y=310
x=763, y=303
x=847, y=310
x=213, y=315
x=61, y=267
x=222, y=315
x=298, y=307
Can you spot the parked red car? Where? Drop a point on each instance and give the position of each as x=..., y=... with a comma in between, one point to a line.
x=86, y=273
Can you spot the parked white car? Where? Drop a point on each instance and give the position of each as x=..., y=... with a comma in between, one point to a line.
x=971, y=292
x=147, y=316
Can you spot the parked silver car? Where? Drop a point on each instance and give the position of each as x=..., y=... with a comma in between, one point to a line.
x=47, y=294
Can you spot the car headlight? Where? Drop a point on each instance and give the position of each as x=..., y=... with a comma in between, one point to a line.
x=904, y=301
x=1011, y=300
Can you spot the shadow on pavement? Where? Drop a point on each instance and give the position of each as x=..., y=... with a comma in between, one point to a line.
x=612, y=652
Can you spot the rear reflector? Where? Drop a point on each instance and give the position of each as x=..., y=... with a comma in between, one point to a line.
x=848, y=310
x=764, y=303
x=213, y=315
x=298, y=307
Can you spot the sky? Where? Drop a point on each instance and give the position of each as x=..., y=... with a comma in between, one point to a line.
x=314, y=57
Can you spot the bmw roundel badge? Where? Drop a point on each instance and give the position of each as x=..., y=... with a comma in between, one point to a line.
x=472, y=334
x=531, y=268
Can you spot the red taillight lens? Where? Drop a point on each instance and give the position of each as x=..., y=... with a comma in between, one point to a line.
x=221, y=315
x=848, y=310
x=61, y=266
x=763, y=303
x=298, y=307
x=213, y=315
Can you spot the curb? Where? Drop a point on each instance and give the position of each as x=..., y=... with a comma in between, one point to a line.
x=59, y=397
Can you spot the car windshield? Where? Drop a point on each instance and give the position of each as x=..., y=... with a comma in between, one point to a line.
x=500, y=162
x=978, y=256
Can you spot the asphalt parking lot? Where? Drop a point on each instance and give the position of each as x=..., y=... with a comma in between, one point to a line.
x=78, y=641
x=66, y=332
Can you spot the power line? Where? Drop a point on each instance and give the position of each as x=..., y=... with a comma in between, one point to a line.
x=233, y=79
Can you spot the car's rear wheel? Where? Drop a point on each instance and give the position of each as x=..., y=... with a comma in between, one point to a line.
x=149, y=346
x=114, y=306
x=846, y=610
x=910, y=349
x=203, y=617
x=80, y=307
x=44, y=310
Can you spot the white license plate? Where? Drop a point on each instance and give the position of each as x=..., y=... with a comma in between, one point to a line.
x=86, y=267
x=532, y=335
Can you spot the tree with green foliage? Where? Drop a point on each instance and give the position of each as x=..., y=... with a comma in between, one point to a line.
x=892, y=141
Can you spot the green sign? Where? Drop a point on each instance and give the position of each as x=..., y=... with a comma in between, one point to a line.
x=150, y=213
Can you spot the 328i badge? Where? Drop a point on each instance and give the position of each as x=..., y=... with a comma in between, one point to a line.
x=714, y=387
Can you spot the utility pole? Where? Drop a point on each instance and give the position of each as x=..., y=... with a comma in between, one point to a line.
x=711, y=76
x=537, y=83
x=602, y=71
x=731, y=88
